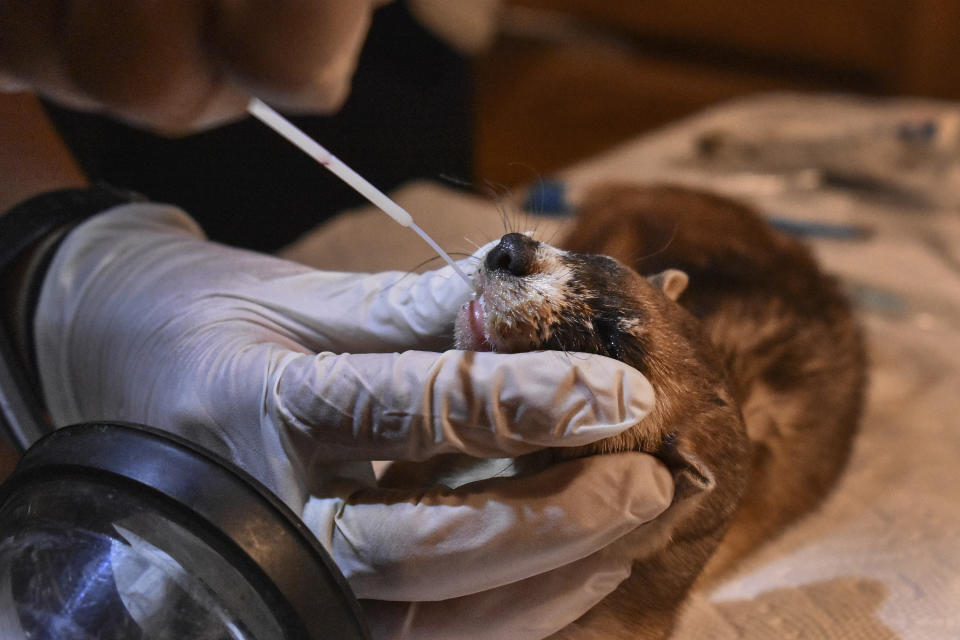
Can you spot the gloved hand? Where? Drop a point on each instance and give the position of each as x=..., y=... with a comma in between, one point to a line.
x=290, y=372
x=177, y=66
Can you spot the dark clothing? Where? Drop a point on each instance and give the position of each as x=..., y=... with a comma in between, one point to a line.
x=407, y=117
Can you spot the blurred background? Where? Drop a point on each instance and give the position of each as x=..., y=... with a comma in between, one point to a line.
x=565, y=79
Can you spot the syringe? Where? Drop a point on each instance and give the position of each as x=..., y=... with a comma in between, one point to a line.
x=315, y=150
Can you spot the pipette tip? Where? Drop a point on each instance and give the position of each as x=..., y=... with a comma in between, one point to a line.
x=315, y=150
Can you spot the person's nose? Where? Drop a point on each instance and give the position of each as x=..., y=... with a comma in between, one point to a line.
x=515, y=254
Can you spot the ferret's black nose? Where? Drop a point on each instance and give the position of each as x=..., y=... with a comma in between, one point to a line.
x=516, y=253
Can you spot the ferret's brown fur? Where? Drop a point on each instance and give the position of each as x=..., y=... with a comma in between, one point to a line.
x=759, y=373
x=794, y=361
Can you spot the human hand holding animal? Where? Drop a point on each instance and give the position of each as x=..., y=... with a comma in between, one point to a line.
x=178, y=66
x=294, y=374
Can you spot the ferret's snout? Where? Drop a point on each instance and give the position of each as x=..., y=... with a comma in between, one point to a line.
x=515, y=254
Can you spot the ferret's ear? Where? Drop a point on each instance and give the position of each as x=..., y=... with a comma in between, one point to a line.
x=672, y=282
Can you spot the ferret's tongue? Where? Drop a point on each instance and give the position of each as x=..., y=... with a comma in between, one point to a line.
x=475, y=318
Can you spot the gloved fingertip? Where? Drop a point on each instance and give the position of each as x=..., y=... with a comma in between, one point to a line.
x=636, y=394
x=655, y=489
x=642, y=481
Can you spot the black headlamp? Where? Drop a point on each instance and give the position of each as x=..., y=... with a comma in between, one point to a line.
x=115, y=531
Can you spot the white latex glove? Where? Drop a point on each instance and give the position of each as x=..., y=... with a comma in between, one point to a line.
x=290, y=372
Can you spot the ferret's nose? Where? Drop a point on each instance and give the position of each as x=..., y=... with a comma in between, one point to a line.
x=516, y=254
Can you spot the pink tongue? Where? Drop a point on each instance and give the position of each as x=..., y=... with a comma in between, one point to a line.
x=476, y=326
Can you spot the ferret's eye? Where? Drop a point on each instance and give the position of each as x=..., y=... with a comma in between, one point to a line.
x=608, y=336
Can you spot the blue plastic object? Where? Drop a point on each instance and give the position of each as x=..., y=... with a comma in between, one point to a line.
x=548, y=198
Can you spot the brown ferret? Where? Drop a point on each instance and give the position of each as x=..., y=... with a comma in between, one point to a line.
x=754, y=355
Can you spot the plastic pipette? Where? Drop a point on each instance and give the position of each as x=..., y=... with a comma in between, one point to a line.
x=316, y=151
